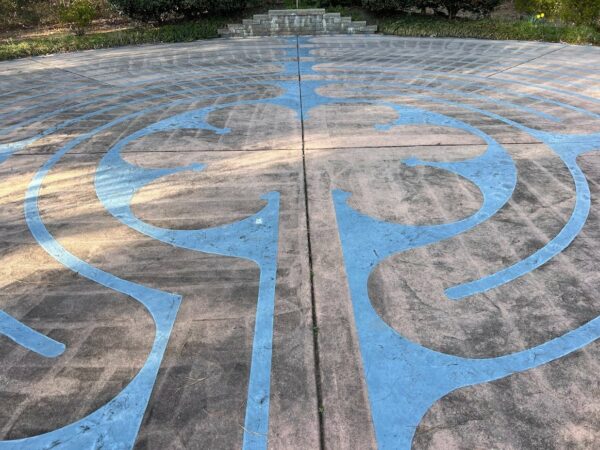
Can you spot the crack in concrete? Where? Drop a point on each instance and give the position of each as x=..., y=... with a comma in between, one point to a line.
x=310, y=266
x=526, y=62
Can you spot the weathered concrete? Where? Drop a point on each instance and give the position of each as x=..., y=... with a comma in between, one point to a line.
x=303, y=116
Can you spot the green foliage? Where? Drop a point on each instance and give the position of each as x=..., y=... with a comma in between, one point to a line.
x=144, y=10
x=7, y=12
x=536, y=6
x=453, y=7
x=182, y=32
x=291, y=4
x=427, y=26
x=194, y=8
x=25, y=12
x=79, y=13
x=157, y=10
x=579, y=12
x=449, y=8
x=28, y=13
x=387, y=5
x=407, y=25
x=334, y=3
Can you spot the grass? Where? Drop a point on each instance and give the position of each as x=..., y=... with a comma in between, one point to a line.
x=429, y=26
x=403, y=25
x=180, y=32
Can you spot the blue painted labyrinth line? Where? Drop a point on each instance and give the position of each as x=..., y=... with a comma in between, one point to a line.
x=28, y=337
x=200, y=73
x=404, y=379
x=20, y=337
x=255, y=238
x=6, y=150
x=568, y=147
x=495, y=80
x=115, y=425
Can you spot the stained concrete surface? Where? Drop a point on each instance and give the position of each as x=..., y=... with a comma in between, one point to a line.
x=300, y=117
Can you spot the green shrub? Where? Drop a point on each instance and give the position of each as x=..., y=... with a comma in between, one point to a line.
x=536, y=6
x=8, y=12
x=144, y=10
x=27, y=13
x=79, y=13
x=578, y=12
x=449, y=8
x=193, y=8
x=387, y=5
x=156, y=10
x=452, y=7
x=330, y=3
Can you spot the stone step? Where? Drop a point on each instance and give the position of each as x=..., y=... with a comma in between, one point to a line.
x=296, y=12
x=296, y=22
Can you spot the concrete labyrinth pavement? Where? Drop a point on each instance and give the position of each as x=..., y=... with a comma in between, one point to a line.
x=337, y=241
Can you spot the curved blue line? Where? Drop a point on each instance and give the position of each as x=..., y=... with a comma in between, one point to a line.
x=102, y=425
x=114, y=425
x=254, y=238
x=285, y=66
x=477, y=77
x=493, y=172
x=567, y=147
x=464, y=94
x=29, y=338
x=100, y=99
x=404, y=378
x=555, y=246
x=6, y=150
x=466, y=81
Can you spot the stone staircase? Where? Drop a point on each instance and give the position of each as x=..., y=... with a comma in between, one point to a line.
x=287, y=22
